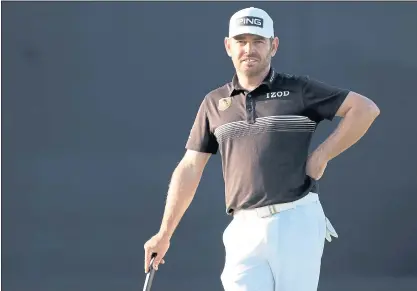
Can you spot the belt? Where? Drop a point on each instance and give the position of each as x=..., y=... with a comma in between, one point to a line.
x=269, y=210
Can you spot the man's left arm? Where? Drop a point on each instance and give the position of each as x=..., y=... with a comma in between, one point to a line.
x=358, y=113
x=323, y=101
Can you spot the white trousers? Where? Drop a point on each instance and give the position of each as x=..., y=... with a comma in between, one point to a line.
x=281, y=252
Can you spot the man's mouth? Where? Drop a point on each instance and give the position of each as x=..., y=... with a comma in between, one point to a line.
x=249, y=60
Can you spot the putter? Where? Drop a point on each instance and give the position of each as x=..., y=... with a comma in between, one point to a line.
x=150, y=275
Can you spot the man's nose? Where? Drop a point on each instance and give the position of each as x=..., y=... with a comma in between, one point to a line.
x=248, y=47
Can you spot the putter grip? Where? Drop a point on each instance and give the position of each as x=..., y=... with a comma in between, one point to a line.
x=150, y=275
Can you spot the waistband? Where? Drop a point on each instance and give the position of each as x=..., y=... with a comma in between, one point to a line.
x=269, y=210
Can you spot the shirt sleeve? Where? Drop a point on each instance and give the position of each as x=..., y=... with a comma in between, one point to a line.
x=201, y=138
x=321, y=100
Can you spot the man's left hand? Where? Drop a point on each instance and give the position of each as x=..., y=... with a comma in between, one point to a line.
x=316, y=164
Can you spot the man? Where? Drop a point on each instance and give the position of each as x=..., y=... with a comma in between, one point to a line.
x=262, y=123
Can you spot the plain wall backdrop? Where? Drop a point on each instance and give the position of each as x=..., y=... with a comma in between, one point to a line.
x=97, y=102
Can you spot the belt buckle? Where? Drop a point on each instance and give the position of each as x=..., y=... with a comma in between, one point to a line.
x=271, y=210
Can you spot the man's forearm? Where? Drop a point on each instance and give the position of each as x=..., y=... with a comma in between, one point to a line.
x=351, y=128
x=184, y=183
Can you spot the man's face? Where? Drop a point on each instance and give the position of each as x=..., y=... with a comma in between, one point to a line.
x=251, y=54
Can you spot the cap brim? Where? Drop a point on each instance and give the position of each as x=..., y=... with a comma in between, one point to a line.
x=252, y=30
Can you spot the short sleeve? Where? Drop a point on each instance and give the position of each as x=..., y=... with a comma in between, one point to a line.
x=201, y=139
x=321, y=100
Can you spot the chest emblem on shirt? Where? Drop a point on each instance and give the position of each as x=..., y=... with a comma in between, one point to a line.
x=224, y=103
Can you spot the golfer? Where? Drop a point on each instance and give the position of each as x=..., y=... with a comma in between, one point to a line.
x=262, y=123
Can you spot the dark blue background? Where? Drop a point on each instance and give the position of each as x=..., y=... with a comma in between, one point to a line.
x=97, y=102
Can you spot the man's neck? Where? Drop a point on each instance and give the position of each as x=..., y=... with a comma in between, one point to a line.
x=251, y=83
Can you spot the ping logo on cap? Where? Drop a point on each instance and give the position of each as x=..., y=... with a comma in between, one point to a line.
x=250, y=21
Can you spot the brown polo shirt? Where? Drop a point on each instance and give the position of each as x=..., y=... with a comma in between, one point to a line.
x=264, y=136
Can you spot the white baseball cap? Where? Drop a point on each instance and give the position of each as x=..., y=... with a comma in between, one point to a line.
x=253, y=21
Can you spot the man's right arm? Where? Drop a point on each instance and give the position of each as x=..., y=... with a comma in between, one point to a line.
x=182, y=188
x=185, y=179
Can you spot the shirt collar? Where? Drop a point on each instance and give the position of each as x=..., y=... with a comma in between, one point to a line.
x=236, y=88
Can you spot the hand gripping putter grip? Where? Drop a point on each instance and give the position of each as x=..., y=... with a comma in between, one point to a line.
x=150, y=275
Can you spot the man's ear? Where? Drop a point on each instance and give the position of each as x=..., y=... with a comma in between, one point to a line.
x=227, y=46
x=274, y=45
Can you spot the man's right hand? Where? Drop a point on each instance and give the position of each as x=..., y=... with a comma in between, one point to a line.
x=158, y=244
